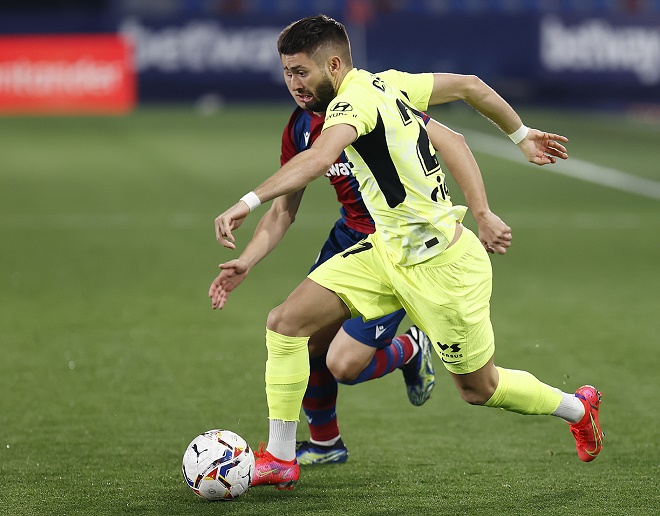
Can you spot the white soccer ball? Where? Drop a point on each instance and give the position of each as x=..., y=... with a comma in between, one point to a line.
x=218, y=465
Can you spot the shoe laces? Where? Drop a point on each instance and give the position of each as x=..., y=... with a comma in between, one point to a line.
x=261, y=452
x=585, y=432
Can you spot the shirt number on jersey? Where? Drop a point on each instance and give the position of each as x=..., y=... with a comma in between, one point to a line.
x=359, y=247
x=428, y=160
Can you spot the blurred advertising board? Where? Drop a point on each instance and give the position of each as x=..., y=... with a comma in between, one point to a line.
x=600, y=60
x=66, y=74
x=578, y=58
x=233, y=58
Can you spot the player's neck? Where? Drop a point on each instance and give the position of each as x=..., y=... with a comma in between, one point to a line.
x=339, y=78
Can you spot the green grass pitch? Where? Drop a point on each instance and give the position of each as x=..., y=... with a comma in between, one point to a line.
x=112, y=361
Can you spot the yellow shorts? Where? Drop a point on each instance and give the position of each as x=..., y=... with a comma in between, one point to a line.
x=448, y=296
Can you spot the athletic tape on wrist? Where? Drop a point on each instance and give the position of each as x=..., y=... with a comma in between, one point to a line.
x=251, y=200
x=519, y=135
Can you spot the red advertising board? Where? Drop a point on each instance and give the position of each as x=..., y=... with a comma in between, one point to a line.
x=68, y=74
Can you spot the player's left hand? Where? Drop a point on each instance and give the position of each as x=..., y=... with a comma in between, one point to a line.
x=232, y=275
x=543, y=148
x=229, y=220
x=494, y=234
x=217, y=294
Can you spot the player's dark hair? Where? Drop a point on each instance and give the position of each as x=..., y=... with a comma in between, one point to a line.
x=311, y=33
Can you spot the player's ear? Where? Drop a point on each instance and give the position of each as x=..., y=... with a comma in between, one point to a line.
x=334, y=64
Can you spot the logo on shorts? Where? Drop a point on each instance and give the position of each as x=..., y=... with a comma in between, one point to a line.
x=453, y=356
x=380, y=329
x=449, y=362
x=455, y=348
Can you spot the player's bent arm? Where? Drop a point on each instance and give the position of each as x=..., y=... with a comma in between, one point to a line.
x=297, y=173
x=269, y=232
x=272, y=227
x=455, y=153
x=539, y=147
x=448, y=87
x=303, y=168
x=460, y=164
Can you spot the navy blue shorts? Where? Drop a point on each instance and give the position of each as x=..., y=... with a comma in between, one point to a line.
x=377, y=333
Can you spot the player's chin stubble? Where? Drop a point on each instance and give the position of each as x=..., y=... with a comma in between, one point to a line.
x=325, y=92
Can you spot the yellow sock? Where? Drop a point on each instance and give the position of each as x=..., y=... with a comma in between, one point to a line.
x=287, y=374
x=522, y=392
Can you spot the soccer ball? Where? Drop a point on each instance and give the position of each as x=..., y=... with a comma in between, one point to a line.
x=218, y=465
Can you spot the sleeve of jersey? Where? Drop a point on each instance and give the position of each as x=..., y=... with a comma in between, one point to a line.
x=417, y=86
x=288, y=148
x=344, y=109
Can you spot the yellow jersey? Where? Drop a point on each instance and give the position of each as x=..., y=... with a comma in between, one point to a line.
x=400, y=178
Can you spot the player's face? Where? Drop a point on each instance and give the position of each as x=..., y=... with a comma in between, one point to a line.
x=309, y=85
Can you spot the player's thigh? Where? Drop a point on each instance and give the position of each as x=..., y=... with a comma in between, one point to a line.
x=319, y=343
x=308, y=308
x=450, y=301
x=347, y=357
x=360, y=277
x=356, y=342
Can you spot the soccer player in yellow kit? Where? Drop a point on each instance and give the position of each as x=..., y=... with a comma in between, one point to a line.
x=363, y=350
x=420, y=258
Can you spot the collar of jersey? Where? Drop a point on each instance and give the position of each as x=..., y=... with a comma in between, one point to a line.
x=349, y=76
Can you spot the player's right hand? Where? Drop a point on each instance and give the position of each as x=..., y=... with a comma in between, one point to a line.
x=543, y=148
x=229, y=220
x=494, y=234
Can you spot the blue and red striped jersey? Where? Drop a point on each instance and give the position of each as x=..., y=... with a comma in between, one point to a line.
x=299, y=134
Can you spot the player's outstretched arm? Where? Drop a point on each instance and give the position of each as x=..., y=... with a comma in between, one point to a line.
x=539, y=147
x=494, y=234
x=311, y=164
x=231, y=219
x=297, y=173
x=274, y=187
x=233, y=273
x=269, y=232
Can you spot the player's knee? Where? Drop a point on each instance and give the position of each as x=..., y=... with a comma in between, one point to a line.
x=279, y=322
x=290, y=320
x=472, y=397
x=475, y=394
x=478, y=387
x=343, y=370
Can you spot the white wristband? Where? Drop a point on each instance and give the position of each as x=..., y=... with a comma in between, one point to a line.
x=251, y=200
x=519, y=135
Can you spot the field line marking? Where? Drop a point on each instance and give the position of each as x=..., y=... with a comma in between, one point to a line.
x=575, y=168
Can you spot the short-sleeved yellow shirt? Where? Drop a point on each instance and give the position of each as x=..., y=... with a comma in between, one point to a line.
x=400, y=178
